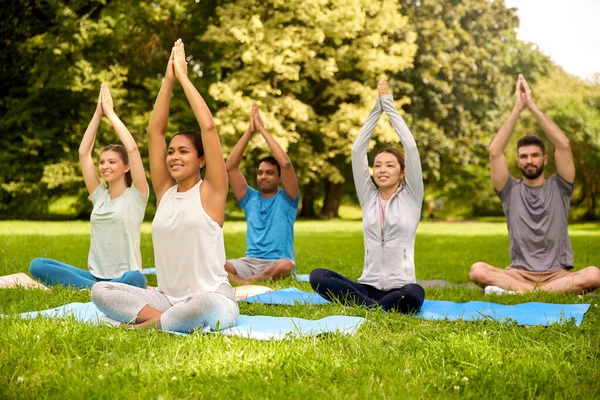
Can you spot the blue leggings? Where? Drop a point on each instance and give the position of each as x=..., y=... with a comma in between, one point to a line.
x=335, y=287
x=51, y=272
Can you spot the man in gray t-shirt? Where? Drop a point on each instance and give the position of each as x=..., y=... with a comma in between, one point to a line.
x=536, y=211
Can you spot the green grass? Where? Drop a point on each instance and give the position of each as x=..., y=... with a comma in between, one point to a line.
x=391, y=356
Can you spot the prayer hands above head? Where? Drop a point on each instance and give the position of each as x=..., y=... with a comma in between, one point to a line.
x=526, y=94
x=251, y=124
x=107, y=101
x=258, y=121
x=170, y=73
x=519, y=95
x=179, y=62
x=99, y=110
x=383, y=89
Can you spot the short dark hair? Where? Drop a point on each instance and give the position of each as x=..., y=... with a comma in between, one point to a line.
x=531, y=140
x=271, y=160
x=120, y=150
x=196, y=138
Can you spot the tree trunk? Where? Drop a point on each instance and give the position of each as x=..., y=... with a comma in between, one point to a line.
x=333, y=199
x=308, y=202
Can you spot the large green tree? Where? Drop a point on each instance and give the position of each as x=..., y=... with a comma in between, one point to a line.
x=312, y=66
x=55, y=55
x=464, y=71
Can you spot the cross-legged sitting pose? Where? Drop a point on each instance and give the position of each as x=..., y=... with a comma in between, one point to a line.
x=391, y=213
x=270, y=211
x=193, y=290
x=117, y=214
x=536, y=211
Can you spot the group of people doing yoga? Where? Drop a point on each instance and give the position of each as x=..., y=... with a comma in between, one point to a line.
x=194, y=290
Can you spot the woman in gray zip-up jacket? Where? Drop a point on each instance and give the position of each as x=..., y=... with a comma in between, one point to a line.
x=391, y=213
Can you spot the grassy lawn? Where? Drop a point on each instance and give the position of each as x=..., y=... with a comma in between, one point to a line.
x=391, y=356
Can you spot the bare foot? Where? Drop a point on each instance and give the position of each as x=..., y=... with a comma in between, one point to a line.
x=383, y=89
x=153, y=322
x=236, y=279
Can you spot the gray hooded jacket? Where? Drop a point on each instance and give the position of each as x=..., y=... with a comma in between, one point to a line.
x=389, y=252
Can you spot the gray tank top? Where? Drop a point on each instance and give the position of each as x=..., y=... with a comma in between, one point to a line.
x=537, y=219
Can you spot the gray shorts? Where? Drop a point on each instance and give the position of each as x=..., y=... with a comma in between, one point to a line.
x=248, y=266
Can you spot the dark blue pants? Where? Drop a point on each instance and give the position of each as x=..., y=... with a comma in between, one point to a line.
x=335, y=287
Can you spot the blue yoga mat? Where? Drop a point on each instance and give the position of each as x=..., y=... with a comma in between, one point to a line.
x=149, y=271
x=251, y=327
x=524, y=314
x=303, y=277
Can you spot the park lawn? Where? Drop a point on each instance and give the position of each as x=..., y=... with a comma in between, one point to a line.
x=391, y=356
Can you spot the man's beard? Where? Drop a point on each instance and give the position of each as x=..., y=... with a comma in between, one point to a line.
x=534, y=174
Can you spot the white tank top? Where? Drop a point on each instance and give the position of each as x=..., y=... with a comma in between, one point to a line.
x=189, y=250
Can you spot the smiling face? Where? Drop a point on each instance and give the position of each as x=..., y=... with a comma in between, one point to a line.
x=531, y=160
x=182, y=159
x=267, y=178
x=112, y=168
x=387, y=171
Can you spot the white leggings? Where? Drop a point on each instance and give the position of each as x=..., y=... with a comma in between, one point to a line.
x=217, y=310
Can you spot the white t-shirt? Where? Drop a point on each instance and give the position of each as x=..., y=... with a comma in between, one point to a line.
x=189, y=248
x=115, y=238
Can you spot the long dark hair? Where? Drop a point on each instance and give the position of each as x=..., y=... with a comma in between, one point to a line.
x=120, y=150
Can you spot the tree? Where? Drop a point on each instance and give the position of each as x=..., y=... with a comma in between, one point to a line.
x=464, y=72
x=312, y=66
x=59, y=53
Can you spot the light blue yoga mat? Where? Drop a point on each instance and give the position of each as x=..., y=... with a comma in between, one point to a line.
x=524, y=314
x=149, y=271
x=303, y=277
x=251, y=327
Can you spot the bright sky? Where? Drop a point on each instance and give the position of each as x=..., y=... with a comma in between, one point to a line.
x=566, y=30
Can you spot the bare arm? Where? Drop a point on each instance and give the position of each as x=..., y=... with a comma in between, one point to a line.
x=563, y=156
x=237, y=181
x=157, y=129
x=215, y=186
x=88, y=169
x=498, y=163
x=136, y=166
x=289, y=180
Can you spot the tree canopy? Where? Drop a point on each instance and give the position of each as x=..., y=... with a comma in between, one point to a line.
x=312, y=66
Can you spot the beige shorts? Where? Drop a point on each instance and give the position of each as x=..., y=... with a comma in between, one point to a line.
x=536, y=278
x=248, y=266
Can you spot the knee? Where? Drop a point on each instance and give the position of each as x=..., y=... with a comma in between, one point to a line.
x=99, y=292
x=592, y=276
x=478, y=272
x=286, y=266
x=135, y=278
x=317, y=276
x=36, y=266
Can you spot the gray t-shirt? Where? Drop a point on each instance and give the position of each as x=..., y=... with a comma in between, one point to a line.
x=537, y=224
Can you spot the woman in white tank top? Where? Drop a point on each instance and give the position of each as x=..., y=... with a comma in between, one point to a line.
x=193, y=290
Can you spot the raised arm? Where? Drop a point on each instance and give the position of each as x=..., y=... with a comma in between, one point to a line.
x=289, y=181
x=237, y=181
x=88, y=169
x=157, y=129
x=563, y=156
x=360, y=165
x=413, y=171
x=136, y=165
x=498, y=163
x=215, y=186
